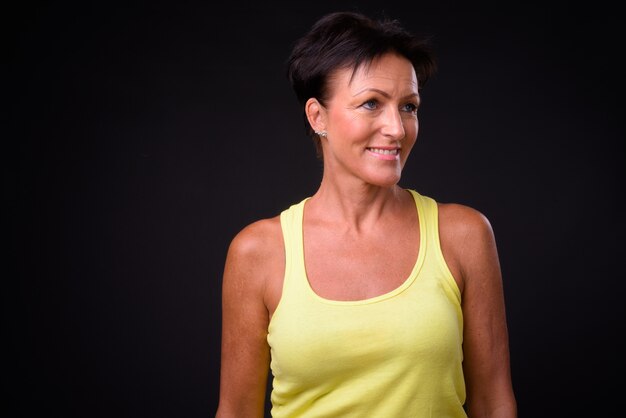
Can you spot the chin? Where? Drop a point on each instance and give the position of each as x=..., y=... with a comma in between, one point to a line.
x=386, y=182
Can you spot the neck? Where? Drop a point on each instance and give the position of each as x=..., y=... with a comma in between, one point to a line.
x=355, y=206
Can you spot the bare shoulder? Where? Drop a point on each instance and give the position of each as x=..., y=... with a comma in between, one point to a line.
x=255, y=264
x=466, y=238
x=256, y=237
x=460, y=220
x=257, y=242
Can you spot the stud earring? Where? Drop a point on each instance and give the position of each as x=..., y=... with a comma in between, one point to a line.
x=321, y=133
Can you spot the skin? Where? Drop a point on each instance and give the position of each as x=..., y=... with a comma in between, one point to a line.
x=363, y=219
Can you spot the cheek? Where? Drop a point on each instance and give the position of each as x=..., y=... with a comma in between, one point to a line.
x=410, y=130
x=411, y=127
x=351, y=126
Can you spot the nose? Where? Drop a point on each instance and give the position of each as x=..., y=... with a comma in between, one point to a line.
x=393, y=126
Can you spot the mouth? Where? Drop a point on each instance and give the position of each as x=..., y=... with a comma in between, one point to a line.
x=391, y=154
x=381, y=151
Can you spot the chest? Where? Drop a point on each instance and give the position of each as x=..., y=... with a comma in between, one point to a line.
x=341, y=267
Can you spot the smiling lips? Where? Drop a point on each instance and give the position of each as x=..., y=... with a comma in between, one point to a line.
x=385, y=154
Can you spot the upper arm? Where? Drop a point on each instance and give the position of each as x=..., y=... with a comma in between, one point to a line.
x=245, y=353
x=471, y=247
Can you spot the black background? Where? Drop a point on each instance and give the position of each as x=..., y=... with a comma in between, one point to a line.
x=141, y=138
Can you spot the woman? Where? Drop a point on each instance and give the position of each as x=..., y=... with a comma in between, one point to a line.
x=366, y=299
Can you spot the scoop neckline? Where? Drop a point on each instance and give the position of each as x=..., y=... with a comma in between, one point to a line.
x=384, y=296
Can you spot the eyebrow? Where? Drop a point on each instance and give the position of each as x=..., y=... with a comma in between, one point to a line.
x=384, y=93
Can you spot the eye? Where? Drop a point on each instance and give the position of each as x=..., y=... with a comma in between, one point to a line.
x=410, y=108
x=370, y=104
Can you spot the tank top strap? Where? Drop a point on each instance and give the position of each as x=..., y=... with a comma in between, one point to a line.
x=291, y=224
x=427, y=210
x=434, y=259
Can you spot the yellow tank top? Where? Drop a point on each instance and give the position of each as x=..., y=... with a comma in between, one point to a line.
x=394, y=355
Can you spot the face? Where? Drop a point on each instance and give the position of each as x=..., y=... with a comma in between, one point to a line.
x=371, y=121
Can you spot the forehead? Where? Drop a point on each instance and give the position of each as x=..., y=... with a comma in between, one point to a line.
x=389, y=71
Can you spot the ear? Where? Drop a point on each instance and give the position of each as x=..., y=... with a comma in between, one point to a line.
x=315, y=114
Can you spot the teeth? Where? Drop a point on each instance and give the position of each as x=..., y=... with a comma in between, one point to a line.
x=384, y=151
